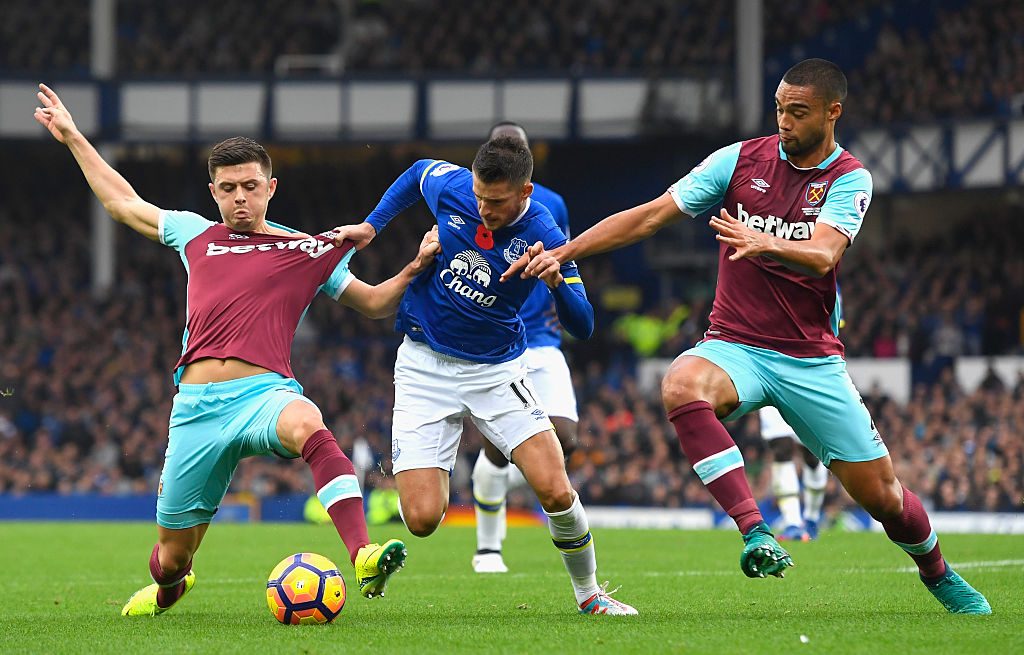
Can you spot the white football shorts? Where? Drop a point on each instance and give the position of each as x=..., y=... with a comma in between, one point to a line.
x=550, y=376
x=434, y=392
x=773, y=426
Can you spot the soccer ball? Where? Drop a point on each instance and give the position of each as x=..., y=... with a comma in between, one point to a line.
x=305, y=588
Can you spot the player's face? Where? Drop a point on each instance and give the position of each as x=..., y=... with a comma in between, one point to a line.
x=500, y=203
x=803, y=118
x=242, y=192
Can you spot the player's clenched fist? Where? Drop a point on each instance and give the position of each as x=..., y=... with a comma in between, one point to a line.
x=361, y=234
x=429, y=247
x=53, y=115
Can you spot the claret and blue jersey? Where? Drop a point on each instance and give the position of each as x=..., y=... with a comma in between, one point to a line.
x=459, y=307
x=759, y=301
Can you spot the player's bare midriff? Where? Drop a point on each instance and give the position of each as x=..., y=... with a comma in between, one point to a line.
x=219, y=370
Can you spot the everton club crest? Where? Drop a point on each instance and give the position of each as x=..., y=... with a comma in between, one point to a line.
x=515, y=250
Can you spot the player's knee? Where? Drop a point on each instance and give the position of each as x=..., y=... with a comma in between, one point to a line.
x=678, y=390
x=884, y=504
x=307, y=425
x=174, y=557
x=555, y=497
x=422, y=521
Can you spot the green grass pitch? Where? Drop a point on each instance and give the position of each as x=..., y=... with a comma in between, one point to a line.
x=63, y=585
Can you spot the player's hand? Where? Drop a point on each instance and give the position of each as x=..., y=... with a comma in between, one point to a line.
x=545, y=265
x=747, y=242
x=517, y=266
x=430, y=246
x=360, y=234
x=527, y=266
x=53, y=115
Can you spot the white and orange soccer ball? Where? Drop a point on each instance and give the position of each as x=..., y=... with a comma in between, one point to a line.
x=306, y=588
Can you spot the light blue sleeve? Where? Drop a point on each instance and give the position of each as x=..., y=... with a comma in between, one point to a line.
x=177, y=228
x=705, y=186
x=847, y=202
x=340, y=278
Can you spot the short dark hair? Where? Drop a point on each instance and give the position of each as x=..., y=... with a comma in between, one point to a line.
x=504, y=159
x=504, y=127
x=238, y=150
x=826, y=78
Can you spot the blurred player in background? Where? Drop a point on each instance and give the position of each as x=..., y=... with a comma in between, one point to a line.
x=464, y=352
x=249, y=283
x=492, y=476
x=799, y=201
x=782, y=440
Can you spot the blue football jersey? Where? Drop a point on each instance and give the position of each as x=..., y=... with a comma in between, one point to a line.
x=459, y=307
x=538, y=314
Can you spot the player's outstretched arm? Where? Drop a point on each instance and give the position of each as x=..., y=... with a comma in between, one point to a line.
x=402, y=194
x=618, y=230
x=814, y=257
x=382, y=300
x=118, y=197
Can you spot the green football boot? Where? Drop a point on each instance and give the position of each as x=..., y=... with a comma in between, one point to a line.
x=956, y=595
x=762, y=555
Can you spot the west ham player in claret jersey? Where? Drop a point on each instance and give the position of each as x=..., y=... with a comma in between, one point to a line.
x=250, y=282
x=792, y=203
x=464, y=349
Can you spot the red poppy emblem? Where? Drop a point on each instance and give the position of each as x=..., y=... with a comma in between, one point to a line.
x=484, y=237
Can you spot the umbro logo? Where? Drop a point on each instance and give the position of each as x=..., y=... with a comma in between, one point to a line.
x=760, y=185
x=455, y=221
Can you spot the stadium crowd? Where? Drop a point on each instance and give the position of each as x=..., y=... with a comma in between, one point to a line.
x=87, y=385
x=935, y=299
x=913, y=61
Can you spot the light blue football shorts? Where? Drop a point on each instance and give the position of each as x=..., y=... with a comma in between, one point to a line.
x=213, y=426
x=815, y=395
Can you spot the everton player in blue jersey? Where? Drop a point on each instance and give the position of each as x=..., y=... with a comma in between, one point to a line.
x=492, y=476
x=792, y=204
x=464, y=348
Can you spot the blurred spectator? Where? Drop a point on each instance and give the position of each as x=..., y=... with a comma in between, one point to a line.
x=547, y=36
x=186, y=37
x=970, y=63
x=54, y=39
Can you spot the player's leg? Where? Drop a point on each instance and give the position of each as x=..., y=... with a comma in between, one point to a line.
x=815, y=479
x=194, y=479
x=874, y=486
x=422, y=498
x=522, y=432
x=493, y=478
x=820, y=401
x=170, y=566
x=785, y=481
x=707, y=382
x=541, y=460
x=490, y=487
x=300, y=430
x=786, y=488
